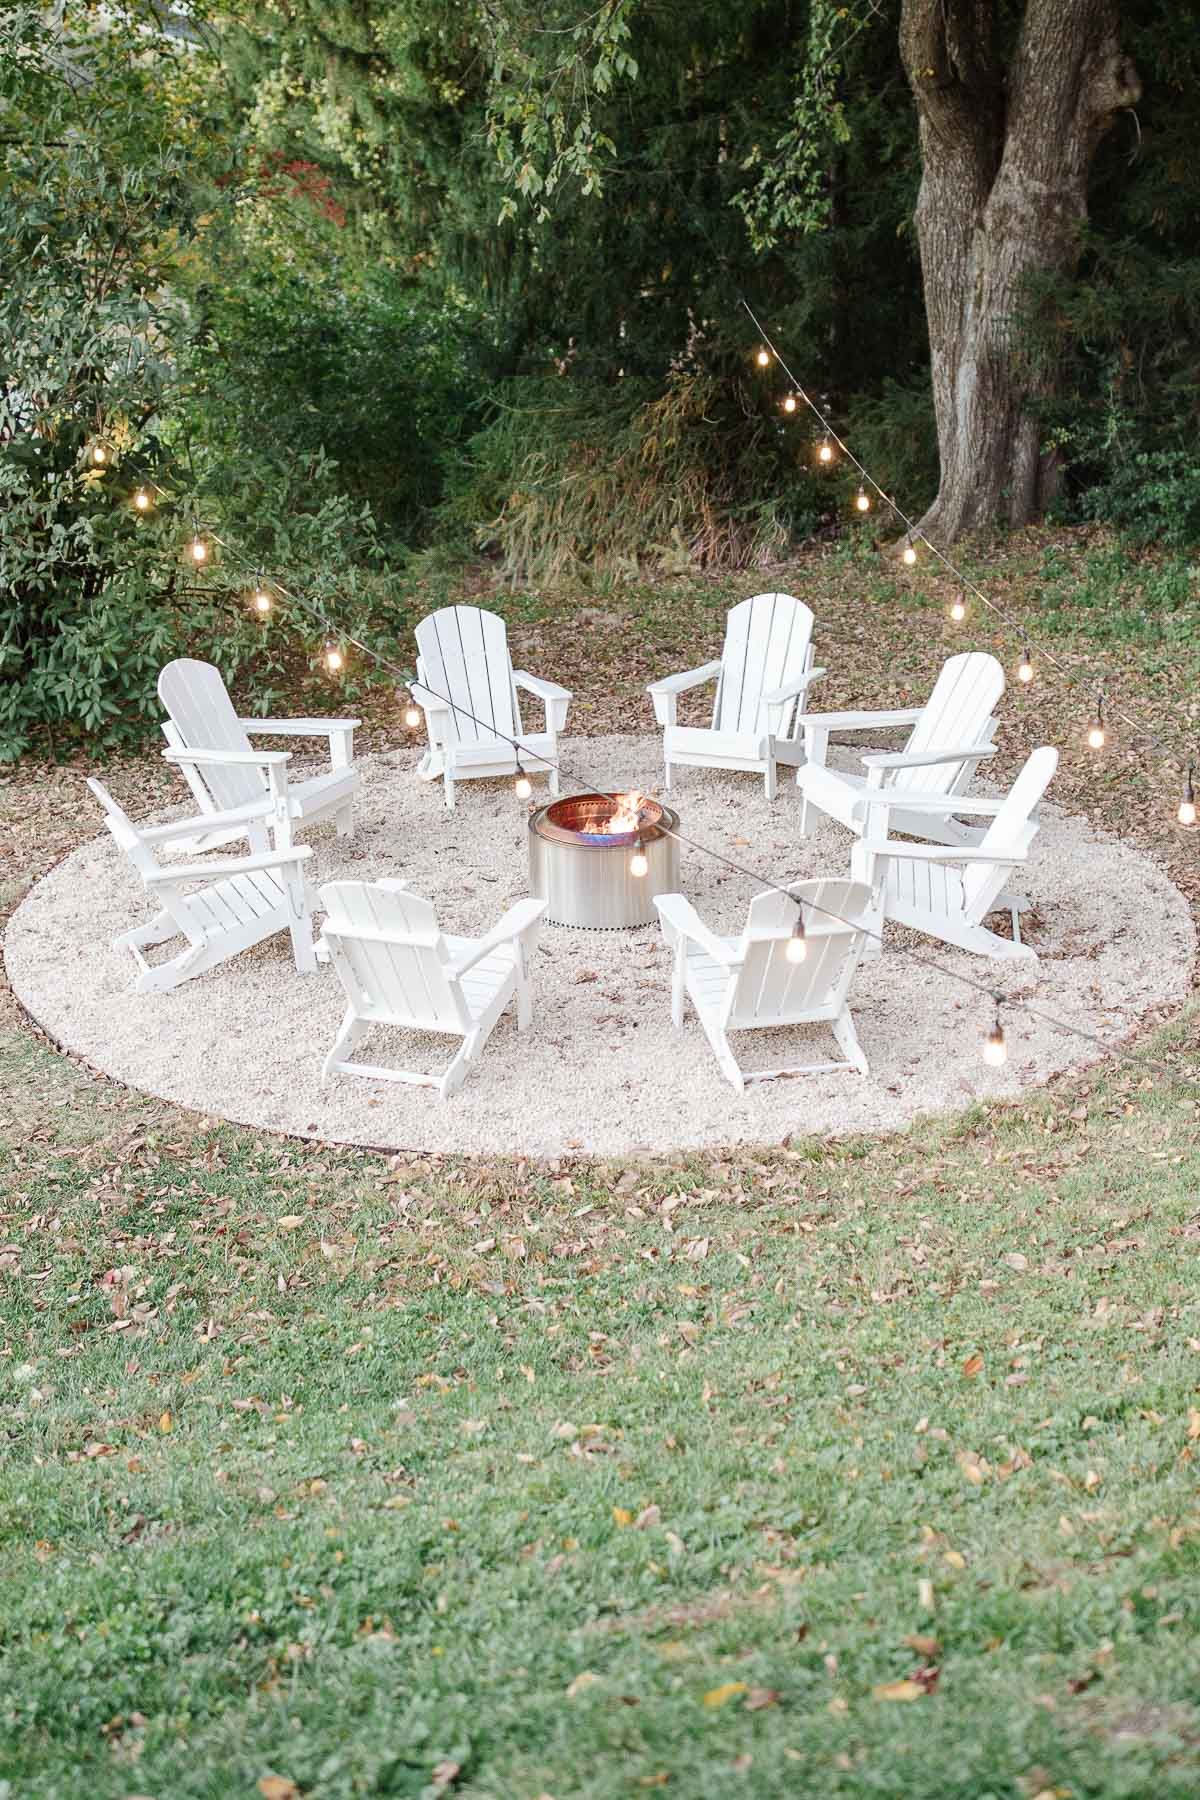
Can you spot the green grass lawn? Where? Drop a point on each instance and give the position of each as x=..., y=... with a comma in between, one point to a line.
x=861, y=1470
x=853, y=1469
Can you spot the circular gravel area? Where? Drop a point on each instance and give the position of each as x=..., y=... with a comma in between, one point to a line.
x=601, y=1071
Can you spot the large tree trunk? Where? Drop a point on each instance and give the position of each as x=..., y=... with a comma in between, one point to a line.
x=1005, y=160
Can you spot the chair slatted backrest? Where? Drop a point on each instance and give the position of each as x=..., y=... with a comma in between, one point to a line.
x=958, y=711
x=1011, y=832
x=771, y=989
x=181, y=907
x=768, y=640
x=390, y=956
x=197, y=703
x=463, y=655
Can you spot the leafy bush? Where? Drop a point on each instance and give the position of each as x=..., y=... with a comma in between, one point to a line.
x=571, y=475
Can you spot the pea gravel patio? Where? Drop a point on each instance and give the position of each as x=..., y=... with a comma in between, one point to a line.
x=601, y=1070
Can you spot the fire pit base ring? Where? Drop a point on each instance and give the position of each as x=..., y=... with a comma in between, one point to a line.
x=584, y=875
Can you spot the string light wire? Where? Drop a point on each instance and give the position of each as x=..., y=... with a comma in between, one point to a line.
x=914, y=533
x=754, y=876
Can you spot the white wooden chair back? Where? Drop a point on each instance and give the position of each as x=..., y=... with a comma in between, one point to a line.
x=124, y=832
x=390, y=956
x=958, y=711
x=1011, y=832
x=197, y=703
x=768, y=641
x=769, y=989
x=463, y=655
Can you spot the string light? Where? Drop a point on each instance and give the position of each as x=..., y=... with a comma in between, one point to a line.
x=909, y=553
x=763, y=359
x=197, y=549
x=789, y=403
x=522, y=786
x=1187, y=806
x=958, y=609
x=335, y=662
x=141, y=501
x=995, y=1050
x=412, y=714
x=825, y=451
x=261, y=599
x=863, y=500
x=796, y=948
x=99, y=454
x=1025, y=666
x=1095, y=735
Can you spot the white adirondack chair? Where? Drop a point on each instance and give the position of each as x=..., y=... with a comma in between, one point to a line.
x=948, y=891
x=219, y=908
x=397, y=968
x=212, y=748
x=746, y=983
x=762, y=682
x=467, y=688
x=951, y=734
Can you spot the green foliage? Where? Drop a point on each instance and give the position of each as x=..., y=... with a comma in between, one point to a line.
x=570, y=476
x=101, y=401
x=1118, y=596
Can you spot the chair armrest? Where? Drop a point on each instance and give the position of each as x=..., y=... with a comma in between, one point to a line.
x=230, y=759
x=680, y=917
x=299, y=727
x=790, y=689
x=427, y=701
x=230, y=865
x=542, y=690
x=554, y=698
x=895, y=851
x=861, y=721
x=690, y=678
x=515, y=923
x=925, y=759
x=202, y=824
x=949, y=805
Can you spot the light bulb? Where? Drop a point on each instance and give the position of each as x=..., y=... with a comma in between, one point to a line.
x=522, y=786
x=1187, y=812
x=909, y=553
x=1096, y=736
x=863, y=500
x=639, y=863
x=99, y=453
x=1025, y=668
x=958, y=610
x=995, y=1050
x=796, y=948
x=763, y=358
x=199, y=550
x=142, y=500
x=825, y=452
x=334, y=660
x=789, y=403
x=262, y=601
x=412, y=717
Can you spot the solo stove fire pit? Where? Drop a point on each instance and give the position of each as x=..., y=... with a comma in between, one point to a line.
x=580, y=854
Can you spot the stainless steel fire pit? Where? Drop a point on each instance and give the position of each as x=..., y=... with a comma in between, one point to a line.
x=583, y=871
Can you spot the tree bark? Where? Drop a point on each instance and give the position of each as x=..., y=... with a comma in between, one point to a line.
x=1006, y=152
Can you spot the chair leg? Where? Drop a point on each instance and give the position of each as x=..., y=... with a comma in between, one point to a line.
x=725, y=1057
x=804, y=826
x=553, y=781
x=772, y=778
x=345, y=820
x=679, y=985
x=456, y=1074
x=448, y=785
x=352, y=1032
x=666, y=777
x=524, y=997
x=847, y=1041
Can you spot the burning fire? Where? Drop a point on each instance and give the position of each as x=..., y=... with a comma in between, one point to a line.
x=626, y=815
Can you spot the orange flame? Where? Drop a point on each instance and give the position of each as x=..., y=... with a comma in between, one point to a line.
x=625, y=816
